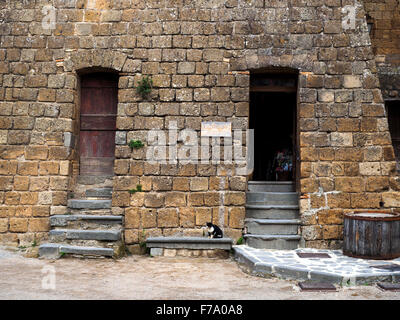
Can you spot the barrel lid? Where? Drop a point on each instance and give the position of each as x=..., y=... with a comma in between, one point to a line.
x=375, y=216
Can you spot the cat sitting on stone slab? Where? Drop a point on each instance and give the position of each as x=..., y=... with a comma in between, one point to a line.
x=214, y=231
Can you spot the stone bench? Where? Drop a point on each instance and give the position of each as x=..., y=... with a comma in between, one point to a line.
x=189, y=246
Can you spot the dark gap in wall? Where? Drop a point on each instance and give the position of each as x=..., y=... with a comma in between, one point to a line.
x=393, y=115
x=272, y=116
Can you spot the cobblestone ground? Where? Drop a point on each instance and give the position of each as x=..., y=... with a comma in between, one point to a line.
x=334, y=267
x=143, y=277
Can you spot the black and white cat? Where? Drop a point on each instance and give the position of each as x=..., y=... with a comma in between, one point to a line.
x=214, y=231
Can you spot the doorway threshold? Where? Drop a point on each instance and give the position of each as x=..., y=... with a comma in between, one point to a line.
x=271, y=182
x=271, y=186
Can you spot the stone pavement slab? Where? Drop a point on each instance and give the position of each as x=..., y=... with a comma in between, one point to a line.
x=389, y=286
x=338, y=269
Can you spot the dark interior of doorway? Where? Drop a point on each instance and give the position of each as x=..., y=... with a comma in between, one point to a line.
x=393, y=114
x=272, y=116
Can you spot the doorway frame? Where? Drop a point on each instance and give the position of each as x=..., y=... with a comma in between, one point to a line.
x=295, y=75
x=79, y=75
x=389, y=106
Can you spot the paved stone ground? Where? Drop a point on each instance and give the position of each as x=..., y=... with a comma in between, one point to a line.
x=338, y=268
x=156, y=278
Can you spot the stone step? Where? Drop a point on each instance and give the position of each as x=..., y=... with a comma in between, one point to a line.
x=90, y=180
x=260, y=211
x=90, y=212
x=270, y=198
x=189, y=243
x=88, y=243
x=56, y=250
x=99, y=193
x=86, y=222
x=271, y=186
x=272, y=227
x=89, y=204
x=60, y=235
x=279, y=242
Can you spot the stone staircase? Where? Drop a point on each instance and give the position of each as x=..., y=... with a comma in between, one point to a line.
x=88, y=229
x=272, y=215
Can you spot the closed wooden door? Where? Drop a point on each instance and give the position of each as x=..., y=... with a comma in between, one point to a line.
x=99, y=96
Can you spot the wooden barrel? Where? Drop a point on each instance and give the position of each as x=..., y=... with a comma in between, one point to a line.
x=372, y=235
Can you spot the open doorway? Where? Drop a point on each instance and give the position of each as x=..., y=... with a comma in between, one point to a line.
x=273, y=118
x=393, y=115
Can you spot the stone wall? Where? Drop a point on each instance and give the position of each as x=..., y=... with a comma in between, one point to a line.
x=199, y=54
x=385, y=37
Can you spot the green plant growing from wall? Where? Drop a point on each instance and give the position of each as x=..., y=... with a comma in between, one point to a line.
x=142, y=244
x=138, y=189
x=144, y=87
x=240, y=241
x=135, y=144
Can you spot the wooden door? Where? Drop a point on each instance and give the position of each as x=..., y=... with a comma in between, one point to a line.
x=99, y=96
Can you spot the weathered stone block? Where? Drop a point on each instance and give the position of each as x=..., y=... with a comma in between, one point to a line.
x=167, y=218
x=339, y=200
x=131, y=236
x=148, y=218
x=370, y=168
x=59, y=183
x=313, y=232
x=341, y=139
x=180, y=184
x=236, y=217
x=195, y=199
x=120, y=199
x=39, y=225
x=198, y=184
x=132, y=218
x=308, y=185
x=3, y=225
x=330, y=216
x=21, y=183
x=332, y=232
x=351, y=81
x=154, y=200
x=186, y=217
x=235, y=198
x=175, y=199
x=203, y=215
x=391, y=199
x=18, y=225
x=350, y=184
x=365, y=200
